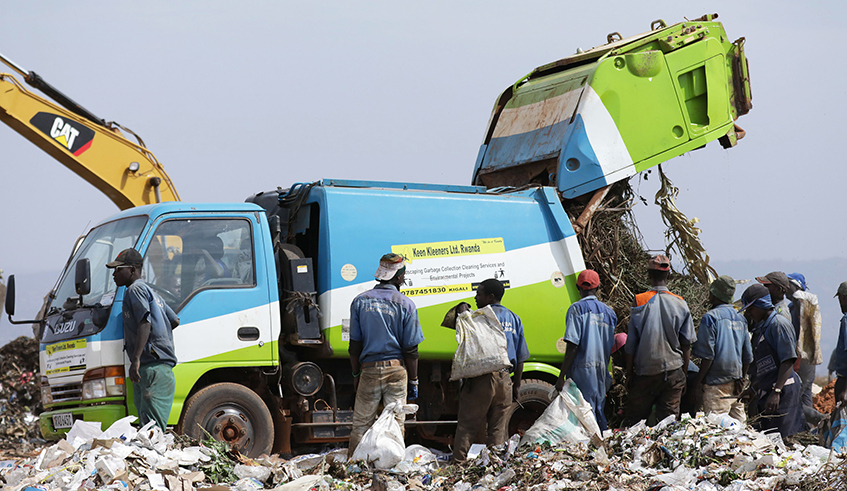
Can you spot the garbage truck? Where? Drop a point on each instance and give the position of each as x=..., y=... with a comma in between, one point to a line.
x=262, y=349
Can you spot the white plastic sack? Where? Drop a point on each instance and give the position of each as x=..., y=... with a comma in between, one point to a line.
x=569, y=418
x=383, y=443
x=809, y=342
x=482, y=345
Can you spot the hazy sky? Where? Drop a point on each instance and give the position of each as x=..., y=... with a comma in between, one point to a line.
x=239, y=97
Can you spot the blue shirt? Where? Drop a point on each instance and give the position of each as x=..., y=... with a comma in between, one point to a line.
x=386, y=322
x=515, y=342
x=723, y=338
x=656, y=331
x=776, y=330
x=142, y=304
x=839, y=356
x=590, y=324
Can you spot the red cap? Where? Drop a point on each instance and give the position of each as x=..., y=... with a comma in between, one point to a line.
x=620, y=341
x=659, y=263
x=588, y=280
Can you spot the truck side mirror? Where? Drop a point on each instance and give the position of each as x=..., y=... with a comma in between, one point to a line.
x=10, y=296
x=82, y=279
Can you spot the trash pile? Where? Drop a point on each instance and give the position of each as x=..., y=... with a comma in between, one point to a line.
x=824, y=401
x=20, y=397
x=703, y=453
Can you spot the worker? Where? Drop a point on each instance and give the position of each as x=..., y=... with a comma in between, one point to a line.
x=590, y=337
x=778, y=285
x=772, y=372
x=839, y=356
x=488, y=398
x=384, y=338
x=658, y=347
x=805, y=317
x=148, y=323
x=723, y=345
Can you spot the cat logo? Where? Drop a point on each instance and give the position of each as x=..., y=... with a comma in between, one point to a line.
x=75, y=137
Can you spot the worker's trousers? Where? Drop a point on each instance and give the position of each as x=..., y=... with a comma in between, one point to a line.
x=376, y=384
x=483, y=399
x=662, y=389
x=154, y=393
x=723, y=399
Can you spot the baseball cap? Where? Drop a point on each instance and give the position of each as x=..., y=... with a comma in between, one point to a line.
x=753, y=293
x=588, y=280
x=723, y=288
x=842, y=289
x=620, y=341
x=389, y=265
x=659, y=263
x=127, y=257
x=798, y=279
x=777, y=278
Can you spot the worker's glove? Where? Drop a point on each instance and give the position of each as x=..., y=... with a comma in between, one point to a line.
x=412, y=390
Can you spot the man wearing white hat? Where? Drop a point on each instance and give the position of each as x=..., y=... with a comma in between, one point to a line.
x=384, y=338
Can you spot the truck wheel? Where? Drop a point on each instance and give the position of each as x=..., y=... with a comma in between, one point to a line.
x=230, y=413
x=534, y=397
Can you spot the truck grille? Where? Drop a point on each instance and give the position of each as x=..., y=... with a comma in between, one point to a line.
x=67, y=392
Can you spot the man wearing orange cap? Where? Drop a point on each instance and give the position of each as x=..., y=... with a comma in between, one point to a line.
x=658, y=347
x=590, y=336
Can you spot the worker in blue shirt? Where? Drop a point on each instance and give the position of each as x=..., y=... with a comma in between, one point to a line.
x=148, y=323
x=772, y=372
x=723, y=345
x=590, y=336
x=384, y=338
x=658, y=346
x=839, y=356
x=488, y=398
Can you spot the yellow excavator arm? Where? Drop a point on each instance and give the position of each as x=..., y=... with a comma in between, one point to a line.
x=97, y=151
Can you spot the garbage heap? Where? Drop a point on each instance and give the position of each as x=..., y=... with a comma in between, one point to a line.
x=694, y=454
x=20, y=397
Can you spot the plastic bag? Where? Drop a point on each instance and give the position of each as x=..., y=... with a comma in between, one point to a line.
x=809, y=342
x=833, y=435
x=569, y=418
x=482, y=345
x=383, y=443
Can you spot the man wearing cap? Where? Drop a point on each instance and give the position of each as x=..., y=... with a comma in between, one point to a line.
x=806, y=319
x=384, y=338
x=778, y=286
x=723, y=345
x=148, y=340
x=658, y=347
x=590, y=336
x=488, y=398
x=772, y=373
x=839, y=356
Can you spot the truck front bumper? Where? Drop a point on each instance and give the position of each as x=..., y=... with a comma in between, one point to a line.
x=105, y=414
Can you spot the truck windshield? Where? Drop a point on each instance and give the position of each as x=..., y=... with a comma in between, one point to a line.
x=100, y=246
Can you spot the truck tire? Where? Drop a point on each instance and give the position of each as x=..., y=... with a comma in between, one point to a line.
x=230, y=413
x=534, y=397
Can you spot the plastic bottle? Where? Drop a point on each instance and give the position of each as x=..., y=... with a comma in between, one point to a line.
x=722, y=420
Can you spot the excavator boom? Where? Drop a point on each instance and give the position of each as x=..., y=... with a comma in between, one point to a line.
x=97, y=151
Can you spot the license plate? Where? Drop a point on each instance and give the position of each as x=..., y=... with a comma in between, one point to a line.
x=63, y=420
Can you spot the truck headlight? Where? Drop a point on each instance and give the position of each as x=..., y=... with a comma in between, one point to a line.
x=103, y=382
x=46, y=392
x=94, y=389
